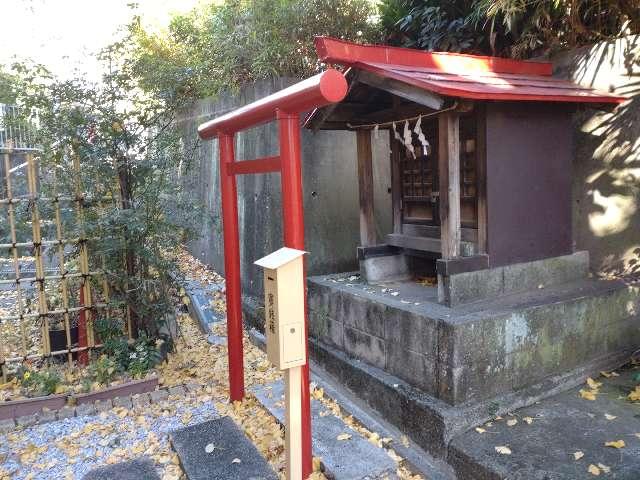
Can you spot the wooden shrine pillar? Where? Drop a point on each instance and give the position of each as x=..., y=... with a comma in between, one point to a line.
x=449, y=178
x=365, y=188
x=396, y=183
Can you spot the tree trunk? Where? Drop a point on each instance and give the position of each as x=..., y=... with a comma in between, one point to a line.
x=126, y=197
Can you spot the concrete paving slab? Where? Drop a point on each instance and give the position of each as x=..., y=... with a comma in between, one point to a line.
x=219, y=449
x=216, y=339
x=139, y=469
x=560, y=426
x=352, y=459
x=199, y=295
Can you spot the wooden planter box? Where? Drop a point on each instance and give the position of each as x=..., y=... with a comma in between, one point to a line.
x=124, y=390
x=29, y=406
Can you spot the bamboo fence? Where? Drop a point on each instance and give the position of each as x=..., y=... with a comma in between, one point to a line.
x=71, y=284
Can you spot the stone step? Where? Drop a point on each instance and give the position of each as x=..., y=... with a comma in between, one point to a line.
x=138, y=469
x=219, y=449
x=415, y=458
x=559, y=426
x=352, y=459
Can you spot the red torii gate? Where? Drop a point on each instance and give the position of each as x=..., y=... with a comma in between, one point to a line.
x=284, y=106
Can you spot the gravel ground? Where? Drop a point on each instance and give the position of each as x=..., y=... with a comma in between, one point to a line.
x=68, y=449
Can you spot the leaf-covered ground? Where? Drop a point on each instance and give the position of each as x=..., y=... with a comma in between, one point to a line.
x=69, y=448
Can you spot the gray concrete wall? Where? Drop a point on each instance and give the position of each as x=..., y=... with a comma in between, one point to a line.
x=606, y=169
x=330, y=192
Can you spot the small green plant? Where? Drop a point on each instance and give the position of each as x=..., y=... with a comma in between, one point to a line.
x=117, y=348
x=108, y=328
x=103, y=370
x=38, y=383
x=85, y=384
x=145, y=355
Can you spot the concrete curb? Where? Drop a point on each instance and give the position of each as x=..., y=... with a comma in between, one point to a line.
x=124, y=390
x=99, y=403
x=29, y=406
x=198, y=307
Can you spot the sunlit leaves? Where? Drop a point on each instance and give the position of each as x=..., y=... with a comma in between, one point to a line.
x=221, y=45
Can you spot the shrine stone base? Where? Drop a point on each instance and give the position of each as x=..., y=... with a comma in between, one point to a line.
x=436, y=371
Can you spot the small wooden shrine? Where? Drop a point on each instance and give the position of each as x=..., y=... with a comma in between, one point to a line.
x=481, y=152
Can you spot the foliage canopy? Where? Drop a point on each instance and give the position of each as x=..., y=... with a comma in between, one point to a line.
x=514, y=28
x=221, y=46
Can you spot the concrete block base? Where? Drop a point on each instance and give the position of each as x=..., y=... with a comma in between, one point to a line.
x=477, y=352
x=457, y=288
x=387, y=268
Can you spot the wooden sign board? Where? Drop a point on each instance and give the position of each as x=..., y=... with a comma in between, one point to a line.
x=284, y=307
x=286, y=341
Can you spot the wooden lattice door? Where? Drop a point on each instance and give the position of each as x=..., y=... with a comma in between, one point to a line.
x=420, y=194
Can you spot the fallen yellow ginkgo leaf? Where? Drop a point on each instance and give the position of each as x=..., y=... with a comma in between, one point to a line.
x=593, y=470
x=318, y=393
x=593, y=384
x=616, y=444
x=512, y=422
x=578, y=455
x=480, y=430
x=344, y=436
x=588, y=394
x=527, y=420
x=503, y=450
x=634, y=396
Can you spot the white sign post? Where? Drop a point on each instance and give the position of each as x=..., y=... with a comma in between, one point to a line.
x=286, y=344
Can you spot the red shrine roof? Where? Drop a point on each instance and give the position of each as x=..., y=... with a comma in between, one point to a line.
x=459, y=75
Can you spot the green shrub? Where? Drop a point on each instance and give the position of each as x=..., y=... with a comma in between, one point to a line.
x=39, y=383
x=103, y=370
x=144, y=356
x=513, y=28
x=108, y=328
x=117, y=349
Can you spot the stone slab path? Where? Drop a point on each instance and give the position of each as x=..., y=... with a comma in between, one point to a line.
x=200, y=295
x=354, y=458
x=139, y=469
x=219, y=449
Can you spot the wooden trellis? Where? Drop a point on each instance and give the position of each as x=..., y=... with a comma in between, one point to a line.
x=87, y=303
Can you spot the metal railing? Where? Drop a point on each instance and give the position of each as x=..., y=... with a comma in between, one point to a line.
x=16, y=132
